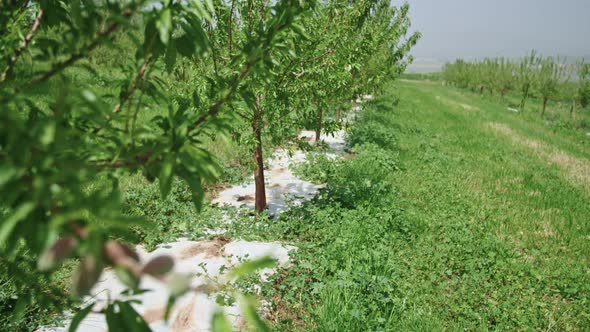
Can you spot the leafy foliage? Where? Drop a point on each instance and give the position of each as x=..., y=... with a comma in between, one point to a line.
x=455, y=242
x=317, y=168
x=549, y=78
x=80, y=121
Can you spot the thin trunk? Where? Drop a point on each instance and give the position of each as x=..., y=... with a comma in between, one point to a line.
x=573, y=112
x=338, y=113
x=525, y=95
x=318, y=128
x=545, y=99
x=481, y=90
x=260, y=195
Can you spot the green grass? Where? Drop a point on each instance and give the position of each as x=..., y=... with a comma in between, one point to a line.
x=438, y=221
x=171, y=218
x=476, y=231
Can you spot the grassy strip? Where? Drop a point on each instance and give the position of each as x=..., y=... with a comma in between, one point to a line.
x=474, y=232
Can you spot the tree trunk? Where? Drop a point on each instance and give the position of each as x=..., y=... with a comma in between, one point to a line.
x=338, y=113
x=260, y=195
x=525, y=95
x=573, y=112
x=481, y=90
x=545, y=99
x=318, y=128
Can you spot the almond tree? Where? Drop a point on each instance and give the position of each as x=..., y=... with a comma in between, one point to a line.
x=551, y=73
x=457, y=73
x=488, y=73
x=326, y=67
x=58, y=137
x=260, y=105
x=352, y=49
x=549, y=77
x=581, y=95
x=504, y=78
x=526, y=75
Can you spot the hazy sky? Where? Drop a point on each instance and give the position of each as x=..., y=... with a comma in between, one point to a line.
x=477, y=28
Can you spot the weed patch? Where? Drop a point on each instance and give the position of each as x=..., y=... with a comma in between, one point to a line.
x=433, y=224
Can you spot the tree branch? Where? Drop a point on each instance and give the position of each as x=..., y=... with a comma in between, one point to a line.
x=138, y=78
x=282, y=78
x=81, y=53
x=25, y=43
x=139, y=160
x=214, y=109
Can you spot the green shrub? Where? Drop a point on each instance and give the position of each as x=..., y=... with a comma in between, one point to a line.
x=361, y=179
x=317, y=168
x=345, y=251
x=18, y=312
x=172, y=217
x=375, y=126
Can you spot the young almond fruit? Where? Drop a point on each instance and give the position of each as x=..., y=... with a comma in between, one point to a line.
x=57, y=253
x=178, y=284
x=86, y=276
x=116, y=252
x=159, y=266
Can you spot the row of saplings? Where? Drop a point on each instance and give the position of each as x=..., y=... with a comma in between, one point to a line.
x=187, y=72
x=549, y=78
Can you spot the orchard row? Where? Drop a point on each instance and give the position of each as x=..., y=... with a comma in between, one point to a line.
x=549, y=78
x=252, y=71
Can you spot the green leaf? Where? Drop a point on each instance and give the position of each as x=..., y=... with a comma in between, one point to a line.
x=219, y=322
x=165, y=176
x=248, y=306
x=197, y=190
x=253, y=265
x=133, y=321
x=89, y=96
x=114, y=319
x=298, y=28
x=20, y=308
x=210, y=6
x=76, y=12
x=78, y=317
x=125, y=318
x=47, y=134
x=169, y=306
x=127, y=277
x=8, y=225
x=164, y=25
x=185, y=45
x=170, y=57
x=7, y=173
x=178, y=284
